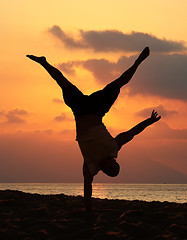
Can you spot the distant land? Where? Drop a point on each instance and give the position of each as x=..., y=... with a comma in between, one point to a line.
x=147, y=171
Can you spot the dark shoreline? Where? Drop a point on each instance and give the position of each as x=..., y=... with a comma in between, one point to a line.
x=34, y=216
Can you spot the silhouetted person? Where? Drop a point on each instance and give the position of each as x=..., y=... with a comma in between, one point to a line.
x=98, y=147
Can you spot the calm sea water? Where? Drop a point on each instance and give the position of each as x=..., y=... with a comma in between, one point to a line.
x=145, y=192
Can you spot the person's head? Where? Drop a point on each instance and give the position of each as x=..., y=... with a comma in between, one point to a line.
x=110, y=167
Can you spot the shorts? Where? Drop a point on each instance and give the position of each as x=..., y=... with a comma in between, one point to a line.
x=98, y=103
x=97, y=144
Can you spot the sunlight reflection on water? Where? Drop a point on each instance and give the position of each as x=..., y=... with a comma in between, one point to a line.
x=145, y=192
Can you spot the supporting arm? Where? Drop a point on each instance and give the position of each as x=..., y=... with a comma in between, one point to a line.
x=88, y=179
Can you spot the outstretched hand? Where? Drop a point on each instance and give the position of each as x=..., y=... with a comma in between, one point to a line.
x=155, y=117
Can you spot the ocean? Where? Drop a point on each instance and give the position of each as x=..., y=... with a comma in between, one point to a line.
x=145, y=192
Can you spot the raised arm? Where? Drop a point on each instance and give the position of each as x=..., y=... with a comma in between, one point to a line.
x=125, y=137
x=141, y=126
x=88, y=179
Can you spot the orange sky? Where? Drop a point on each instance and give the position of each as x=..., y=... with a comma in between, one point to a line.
x=110, y=33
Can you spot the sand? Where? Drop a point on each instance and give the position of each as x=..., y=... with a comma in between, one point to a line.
x=33, y=216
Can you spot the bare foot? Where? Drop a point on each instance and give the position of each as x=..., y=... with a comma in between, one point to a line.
x=143, y=55
x=37, y=59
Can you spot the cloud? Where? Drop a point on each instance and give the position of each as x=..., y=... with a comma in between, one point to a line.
x=102, y=41
x=97, y=67
x=63, y=117
x=67, y=67
x=160, y=109
x=14, y=116
x=162, y=131
x=67, y=40
x=102, y=69
x=160, y=75
x=57, y=100
x=114, y=41
x=163, y=75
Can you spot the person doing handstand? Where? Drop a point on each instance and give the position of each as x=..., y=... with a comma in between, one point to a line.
x=98, y=147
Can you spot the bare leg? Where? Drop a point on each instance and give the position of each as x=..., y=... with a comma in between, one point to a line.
x=127, y=75
x=55, y=73
x=105, y=98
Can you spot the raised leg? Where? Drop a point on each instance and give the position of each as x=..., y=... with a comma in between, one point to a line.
x=105, y=98
x=127, y=75
x=54, y=72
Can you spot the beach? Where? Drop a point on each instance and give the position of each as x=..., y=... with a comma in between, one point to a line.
x=34, y=216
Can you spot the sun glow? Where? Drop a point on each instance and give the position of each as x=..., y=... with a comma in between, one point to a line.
x=31, y=107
